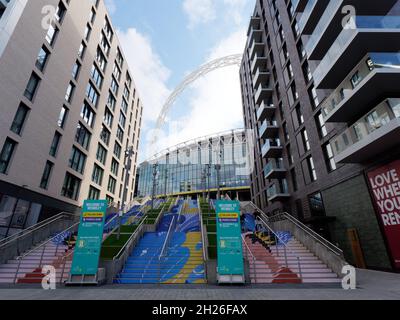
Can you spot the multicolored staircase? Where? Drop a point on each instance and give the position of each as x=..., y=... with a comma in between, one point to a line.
x=183, y=263
x=281, y=258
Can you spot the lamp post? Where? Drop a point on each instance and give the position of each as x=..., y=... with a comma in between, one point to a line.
x=128, y=164
x=208, y=180
x=218, y=168
x=153, y=193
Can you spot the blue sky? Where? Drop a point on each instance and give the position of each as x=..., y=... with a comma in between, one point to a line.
x=164, y=40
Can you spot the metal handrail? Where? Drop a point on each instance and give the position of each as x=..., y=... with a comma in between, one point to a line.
x=130, y=239
x=167, y=239
x=205, y=257
x=33, y=228
x=248, y=249
x=328, y=245
x=179, y=214
x=285, y=247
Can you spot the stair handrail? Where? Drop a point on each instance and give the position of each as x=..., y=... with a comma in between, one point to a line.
x=203, y=239
x=167, y=239
x=327, y=244
x=27, y=231
x=42, y=245
x=285, y=247
x=64, y=258
x=252, y=256
x=179, y=215
x=138, y=229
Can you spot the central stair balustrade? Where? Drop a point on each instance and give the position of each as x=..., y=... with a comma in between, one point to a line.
x=164, y=250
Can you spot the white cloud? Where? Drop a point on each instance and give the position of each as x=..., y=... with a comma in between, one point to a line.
x=199, y=11
x=215, y=104
x=149, y=73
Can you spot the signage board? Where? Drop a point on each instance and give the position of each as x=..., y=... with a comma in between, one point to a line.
x=229, y=239
x=385, y=185
x=90, y=237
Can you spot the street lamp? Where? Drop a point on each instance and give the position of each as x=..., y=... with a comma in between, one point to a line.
x=153, y=194
x=128, y=164
x=218, y=168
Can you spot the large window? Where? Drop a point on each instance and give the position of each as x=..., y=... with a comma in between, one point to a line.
x=87, y=114
x=83, y=136
x=329, y=157
x=51, y=34
x=311, y=168
x=92, y=94
x=105, y=136
x=97, y=175
x=96, y=76
x=6, y=155
x=71, y=187
x=77, y=160
x=101, y=154
x=111, y=185
x=94, y=194
x=44, y=183
x=62, y=118
x=42, y=58
x=19, y=119
x=31, y=87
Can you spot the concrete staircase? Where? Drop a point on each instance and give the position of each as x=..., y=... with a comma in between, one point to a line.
x=269, y=263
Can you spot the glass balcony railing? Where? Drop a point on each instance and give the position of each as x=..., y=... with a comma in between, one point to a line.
x=263, y=106
x=379, y=117
x=368, y=64
x=347, y=35
x=271, y=143
x=278, y=189
x=267, y=124
x=273, y=165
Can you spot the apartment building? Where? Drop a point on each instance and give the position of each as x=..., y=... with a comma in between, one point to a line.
x=69, y=110
x=319, y=87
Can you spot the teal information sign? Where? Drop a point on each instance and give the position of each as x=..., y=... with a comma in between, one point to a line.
x=90, y=237
x=229, y=238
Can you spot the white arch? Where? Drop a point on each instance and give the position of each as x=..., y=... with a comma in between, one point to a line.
x=227, y=61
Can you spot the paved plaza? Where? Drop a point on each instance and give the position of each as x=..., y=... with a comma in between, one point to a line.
x=372, y=285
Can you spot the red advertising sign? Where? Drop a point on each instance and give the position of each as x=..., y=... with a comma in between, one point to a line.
x=385, y=185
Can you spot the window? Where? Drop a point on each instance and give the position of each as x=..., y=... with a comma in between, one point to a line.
x=62, y=117
x=114, y=86
x=311, y=168
x=83, y=136
x=105, y=136
x=75, y=70
x=70, y=92
x=92, y=94
x=101, y=154
x=108, y=118
x=114, y=167
x=82, y=50
x=97, y=175
x=60, y=12
x=117, y=150
x=44, y=183
x=94, y=194
x=88, y=31
x=77, y=160
x=101, y=60
x=124, y=106
x=111, y=101
x=294, y=179
x=108, y=30
x=19, y=119
x=306, y=140
x=120, y=59
x=71, y=187
x=126, y=92
x=104, y=44
x=122, y=120
x=96, y=76
x=6, y=155
x=117, y=72
x=88, y=115
x=355, y=79
x=111, y=185
x=51, y=34
x=42, y=58
x=323, y=132
x=32, y=86
x=329, y=157
x=120, y=134
x=92, y=16
x=55, y=144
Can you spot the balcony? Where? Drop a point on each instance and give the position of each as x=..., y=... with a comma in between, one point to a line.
x=266, y=110
x=274, y=169
x=272, y=149
x=331, y=23
x=311, y=15
x=257, y=48
x=278, y=192
x=255, y=24
x=372, y=34
x=299, y=5
x=269, y=130
x=262, y=75
x=376, y=74
x=255, y=35
x=259, y=62
x=264, y=92
x=373, y=135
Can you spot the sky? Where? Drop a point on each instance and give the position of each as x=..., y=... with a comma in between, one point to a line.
x=164, y=41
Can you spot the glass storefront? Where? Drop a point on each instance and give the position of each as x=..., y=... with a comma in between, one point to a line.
x=16, y=215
